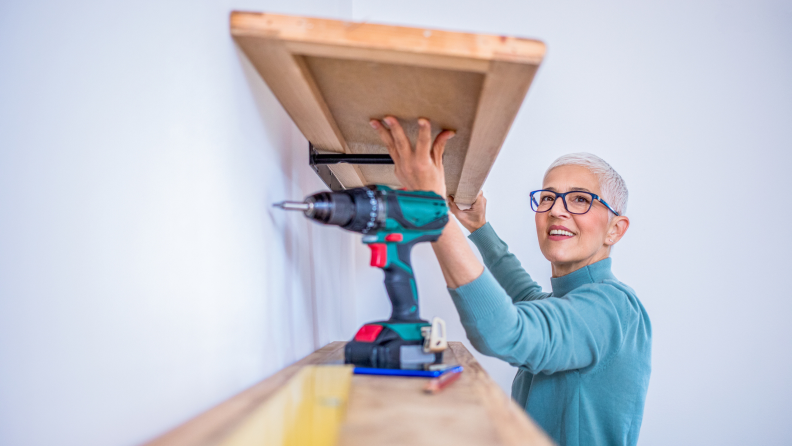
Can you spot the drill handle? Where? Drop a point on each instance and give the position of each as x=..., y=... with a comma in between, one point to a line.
x=402, y=292
x=400, y=280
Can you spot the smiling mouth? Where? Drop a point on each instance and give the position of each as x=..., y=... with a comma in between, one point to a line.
x=560, y=234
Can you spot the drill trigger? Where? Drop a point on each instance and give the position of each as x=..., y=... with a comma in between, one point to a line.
x=379, y=254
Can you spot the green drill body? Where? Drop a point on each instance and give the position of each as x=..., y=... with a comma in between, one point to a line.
x=411, y=217
x=392, y=222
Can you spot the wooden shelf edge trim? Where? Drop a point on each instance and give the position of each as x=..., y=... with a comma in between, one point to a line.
x=369, y=54
x=495, y=114
x=387, y=37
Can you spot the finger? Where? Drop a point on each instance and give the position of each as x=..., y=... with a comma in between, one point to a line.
x=439, y=146
x=479, y=199
x=399, y=137
x=480, y=205
x=394, y=154
x=452, y=206
x=423, y=146
x=387, y=139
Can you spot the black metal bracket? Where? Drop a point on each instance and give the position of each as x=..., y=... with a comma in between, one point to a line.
x=336, y=158
x=319, y=164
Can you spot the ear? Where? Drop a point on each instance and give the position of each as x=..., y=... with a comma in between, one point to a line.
x=616, y=229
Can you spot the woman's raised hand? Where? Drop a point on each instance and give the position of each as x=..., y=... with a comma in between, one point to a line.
x=419, y=168
x=472, y=218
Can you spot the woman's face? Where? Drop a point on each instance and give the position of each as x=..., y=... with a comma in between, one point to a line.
x=592, y=233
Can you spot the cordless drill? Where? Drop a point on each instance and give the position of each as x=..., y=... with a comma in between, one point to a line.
x=392, y=222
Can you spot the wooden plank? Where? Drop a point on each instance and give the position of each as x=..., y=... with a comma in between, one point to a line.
x=389, y=56
x=213, y=425
x=471, y=411
x=505, y=86
x=513, y=426
x=339, y=75
x=307, y=410
x=391, y=39
x=385, y=410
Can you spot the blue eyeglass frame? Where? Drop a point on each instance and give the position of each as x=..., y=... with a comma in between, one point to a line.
x=595, y=197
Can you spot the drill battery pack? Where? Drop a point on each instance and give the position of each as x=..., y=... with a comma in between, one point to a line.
x=383, y=345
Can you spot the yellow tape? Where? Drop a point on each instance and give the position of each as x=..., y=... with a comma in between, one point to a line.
x=308, y=410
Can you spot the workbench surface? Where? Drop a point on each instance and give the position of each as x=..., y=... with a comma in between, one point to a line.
x=384, y=410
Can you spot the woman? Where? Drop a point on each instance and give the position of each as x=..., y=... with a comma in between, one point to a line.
x=584, y=350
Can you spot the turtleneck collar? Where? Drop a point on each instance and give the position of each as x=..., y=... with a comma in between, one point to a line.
x=596, y=272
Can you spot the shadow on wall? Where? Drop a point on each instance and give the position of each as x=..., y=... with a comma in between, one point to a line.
x=308, y=284
x=289, y=300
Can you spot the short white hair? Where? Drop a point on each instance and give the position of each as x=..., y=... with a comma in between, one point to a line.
x=612, y=185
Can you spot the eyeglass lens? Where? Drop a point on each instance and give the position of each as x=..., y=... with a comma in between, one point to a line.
x=576, y=202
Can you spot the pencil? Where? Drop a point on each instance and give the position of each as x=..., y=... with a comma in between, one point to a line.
x=437, y=384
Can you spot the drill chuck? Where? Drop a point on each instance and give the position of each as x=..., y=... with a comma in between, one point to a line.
x=358, y=210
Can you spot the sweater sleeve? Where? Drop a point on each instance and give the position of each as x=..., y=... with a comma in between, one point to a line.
x=582, y=329
x=505, y=267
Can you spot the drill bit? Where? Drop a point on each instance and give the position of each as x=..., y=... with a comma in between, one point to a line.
x=293, y=206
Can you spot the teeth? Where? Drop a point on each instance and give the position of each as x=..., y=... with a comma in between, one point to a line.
x=560, y=232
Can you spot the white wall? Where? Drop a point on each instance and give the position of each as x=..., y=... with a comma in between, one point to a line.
x=692, y=103
x=144, y=277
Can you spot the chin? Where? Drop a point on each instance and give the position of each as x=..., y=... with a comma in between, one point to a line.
x=556, y=255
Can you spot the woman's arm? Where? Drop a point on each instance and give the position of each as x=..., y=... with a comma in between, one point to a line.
x=457, y=260
x=504, y=265
x=580, y=330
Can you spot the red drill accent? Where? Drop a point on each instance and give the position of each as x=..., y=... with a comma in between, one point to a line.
x=379, y=254
x=368, y=333
x=395, y=237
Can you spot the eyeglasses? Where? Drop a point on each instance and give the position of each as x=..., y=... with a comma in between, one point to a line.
x=575, y=202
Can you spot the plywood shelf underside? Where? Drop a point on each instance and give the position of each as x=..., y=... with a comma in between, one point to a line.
x=333, y=76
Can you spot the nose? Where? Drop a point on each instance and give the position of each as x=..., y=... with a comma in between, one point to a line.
x=559, y=210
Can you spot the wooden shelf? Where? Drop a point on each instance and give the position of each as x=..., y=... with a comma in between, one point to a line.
x=387, y=410
x=332, y=77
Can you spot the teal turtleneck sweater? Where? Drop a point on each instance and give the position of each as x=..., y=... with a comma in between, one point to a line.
x=583, y=351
